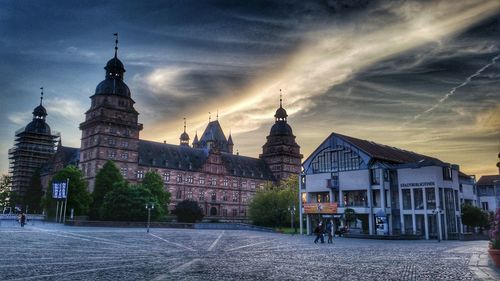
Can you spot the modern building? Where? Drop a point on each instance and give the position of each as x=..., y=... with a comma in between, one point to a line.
x=488, y=190
x=207, y=171
x=34, y=146
x=392, y=191
x=468, y=193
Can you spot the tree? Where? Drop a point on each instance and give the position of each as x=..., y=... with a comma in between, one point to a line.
x=188, y=211
x=349, y=216
x=269, y=206
x=154, y=183
x=79, y=198
x=126, y=202
x=473, y=216
x=5, y=190
x=104, y=181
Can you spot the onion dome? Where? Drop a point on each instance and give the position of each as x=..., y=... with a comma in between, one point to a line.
x=38, y=126
x=281, y=128
x=281, y=114
x=184, y=138
x=39, y=112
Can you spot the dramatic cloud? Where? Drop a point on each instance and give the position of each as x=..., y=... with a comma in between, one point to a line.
x=420, y=75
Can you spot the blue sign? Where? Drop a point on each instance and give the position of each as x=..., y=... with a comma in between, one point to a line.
x=59, y=189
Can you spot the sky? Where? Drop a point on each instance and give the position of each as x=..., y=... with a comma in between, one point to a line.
x=422, y=76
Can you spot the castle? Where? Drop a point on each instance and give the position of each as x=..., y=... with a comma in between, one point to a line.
x=206, y=171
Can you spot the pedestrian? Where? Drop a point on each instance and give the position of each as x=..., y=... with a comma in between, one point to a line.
x=22, y=219
x=319, y=233
x=329, y=230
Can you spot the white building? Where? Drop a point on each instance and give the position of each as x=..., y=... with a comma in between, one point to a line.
x=392, y=191
x=488, y=193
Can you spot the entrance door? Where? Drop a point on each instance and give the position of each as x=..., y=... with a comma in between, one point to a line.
x=213, y=211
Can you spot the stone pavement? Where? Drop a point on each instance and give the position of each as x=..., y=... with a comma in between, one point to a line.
x=55, y=252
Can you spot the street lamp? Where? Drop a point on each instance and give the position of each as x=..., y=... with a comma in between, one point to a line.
x=438, y=213
x=292, y=210
x=149, y=207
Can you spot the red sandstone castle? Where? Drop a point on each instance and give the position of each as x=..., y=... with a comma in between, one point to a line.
x=207, y=171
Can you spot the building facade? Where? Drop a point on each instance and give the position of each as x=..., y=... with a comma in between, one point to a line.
x=34, y=145
x=391, y=191
x=488, y=190
x=206, y=171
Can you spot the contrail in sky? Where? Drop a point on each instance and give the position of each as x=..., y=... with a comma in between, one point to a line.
x=454, y=89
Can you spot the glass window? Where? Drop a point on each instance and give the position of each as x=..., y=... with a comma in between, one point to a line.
x=202, y=195
x=357, y=198
x=166, y=177
x=374, y=176
x=431, y=198
x=418, y=197
x=124, y=172
x=140, y=174
x=376, y=198
x=406, y=199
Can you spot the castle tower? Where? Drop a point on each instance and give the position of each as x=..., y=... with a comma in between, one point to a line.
x=230, y=143
x=184, y=138
x=111, y=129
x=34, y=145
x=281, y=152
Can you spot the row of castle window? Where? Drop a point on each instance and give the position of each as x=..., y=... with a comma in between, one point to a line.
x=95, y=140
x=201, y=180
x=213, y=195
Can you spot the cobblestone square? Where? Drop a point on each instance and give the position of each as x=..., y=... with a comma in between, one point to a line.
x=55, y=252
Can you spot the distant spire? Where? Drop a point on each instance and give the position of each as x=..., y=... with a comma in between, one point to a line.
x=209, y=117
x=116, y=44
x=280, y=99
x=217, y=114
x=41, y=95
x=184, y=124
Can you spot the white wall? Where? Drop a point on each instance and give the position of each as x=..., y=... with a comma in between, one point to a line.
x=317, y=182
x=354, y=180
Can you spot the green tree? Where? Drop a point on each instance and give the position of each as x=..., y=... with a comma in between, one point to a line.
x=188, y=211
x=126, y=202
x=78, y=197
x=5, y=190
x=154, y=183
x=473, y=216
x=269, y=206
x=349, y=216
x=104, y=181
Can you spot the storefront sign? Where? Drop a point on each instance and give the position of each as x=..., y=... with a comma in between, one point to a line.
x=418, y=184
x=320, y=208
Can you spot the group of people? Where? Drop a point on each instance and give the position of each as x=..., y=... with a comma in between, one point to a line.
x=321, y=230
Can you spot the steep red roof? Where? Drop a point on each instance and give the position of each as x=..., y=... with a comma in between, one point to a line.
x=388, y=153
x=488, y=180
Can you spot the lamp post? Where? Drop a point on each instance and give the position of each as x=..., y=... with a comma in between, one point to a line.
x=149, y=207
x=437, y=212
x=292, y=210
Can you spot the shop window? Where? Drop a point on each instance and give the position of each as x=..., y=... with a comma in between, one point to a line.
x=406, y=199
x=418, y=197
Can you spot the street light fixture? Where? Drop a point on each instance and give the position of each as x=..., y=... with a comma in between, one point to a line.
x=437, y=212
x=149, y=207
x=292, y=210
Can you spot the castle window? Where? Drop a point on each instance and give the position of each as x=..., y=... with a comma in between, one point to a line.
x=179, y=194
x=140, y=174
x=190, y=179
x=235, y=183
x=236, y=194
x=214, y=196
x=124, y=172
x=124, y=143
x=179, y=178
x=111, y=141
x=225, y=182
x=224, y=195
x=190, y=194
x=166, y=177
x=202, y=195
x=202, y=181
x=111, y=154
x=252, y=184
x=125, y=155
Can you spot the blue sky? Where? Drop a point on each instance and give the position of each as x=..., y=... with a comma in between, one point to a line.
x=419, y=75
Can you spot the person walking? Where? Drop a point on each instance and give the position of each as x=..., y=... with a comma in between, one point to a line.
x=319, y=233
x=329, y=230
x=22, y=219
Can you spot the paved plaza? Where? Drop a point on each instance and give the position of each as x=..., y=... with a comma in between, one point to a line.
x=55, y=252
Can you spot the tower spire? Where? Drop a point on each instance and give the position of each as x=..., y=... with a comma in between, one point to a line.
x=41, y=95
x=184, y=124
x=217, y=114
x=209, y=117
x=116, y=44
x=281, y=99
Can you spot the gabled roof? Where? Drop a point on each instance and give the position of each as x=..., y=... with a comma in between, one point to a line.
x=213, y=133
x=162, y=155
x=389, y=153
x=247, y=167
x=488, y=180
